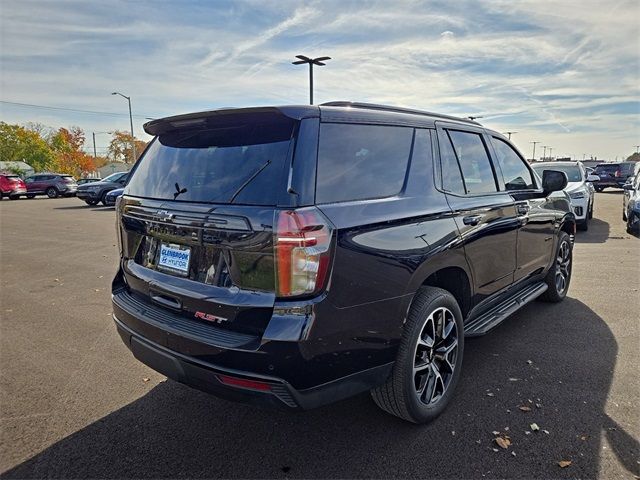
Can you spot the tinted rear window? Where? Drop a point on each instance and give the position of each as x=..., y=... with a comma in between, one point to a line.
x=357, y=162
x=608, y=168
x=234, y=162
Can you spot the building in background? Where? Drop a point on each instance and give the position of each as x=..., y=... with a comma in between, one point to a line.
x=19, y=168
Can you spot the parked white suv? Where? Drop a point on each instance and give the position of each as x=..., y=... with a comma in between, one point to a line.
x=579, y=188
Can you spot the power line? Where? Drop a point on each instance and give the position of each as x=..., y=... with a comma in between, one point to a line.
x=46, y=107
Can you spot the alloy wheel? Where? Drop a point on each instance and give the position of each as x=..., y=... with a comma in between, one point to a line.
x=435, y=356
x=563, y=264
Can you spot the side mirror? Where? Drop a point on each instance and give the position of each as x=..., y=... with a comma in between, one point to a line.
x=593, y=178
x=553, y=181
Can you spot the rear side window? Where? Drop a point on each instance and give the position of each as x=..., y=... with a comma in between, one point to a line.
x=238, y=160
x=473, y=161
x=451, y=173
x=357, y=162
x=515, y=173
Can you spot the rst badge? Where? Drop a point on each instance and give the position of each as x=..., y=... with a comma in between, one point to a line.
x=210, y=318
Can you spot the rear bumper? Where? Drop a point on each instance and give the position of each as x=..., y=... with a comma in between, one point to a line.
x=15, y=191
x=198, y=355
x=208, y=378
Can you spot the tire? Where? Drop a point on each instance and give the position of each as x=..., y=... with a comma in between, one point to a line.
x=31, y=195
x=103, y=199
x=14, y=197
x=599, y=189
x=420, y=395
x=590, y=214
x=624, y=216
x=51, y=192
x=91, y=202
x=559, y=275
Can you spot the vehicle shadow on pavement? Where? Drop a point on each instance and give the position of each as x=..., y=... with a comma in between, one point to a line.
x=598, y=232
x=556, y=360
x=77, y=207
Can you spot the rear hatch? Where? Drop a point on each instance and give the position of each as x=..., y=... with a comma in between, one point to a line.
x=608, y=172
x=197, y=215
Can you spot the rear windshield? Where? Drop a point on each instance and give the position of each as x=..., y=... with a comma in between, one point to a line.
x=236, y=162
x=608, y=168
x=573, y=171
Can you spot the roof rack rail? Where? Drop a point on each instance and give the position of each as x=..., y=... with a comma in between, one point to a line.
x=387, y=108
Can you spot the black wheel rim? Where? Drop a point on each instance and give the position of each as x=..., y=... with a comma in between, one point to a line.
x=563, y=267
x=435, y=356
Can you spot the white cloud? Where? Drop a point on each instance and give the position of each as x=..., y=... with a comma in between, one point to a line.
x=554, y=71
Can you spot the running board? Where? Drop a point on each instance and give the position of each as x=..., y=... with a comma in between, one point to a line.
x=494, y=317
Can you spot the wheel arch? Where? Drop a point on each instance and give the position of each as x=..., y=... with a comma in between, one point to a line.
x=448, y=271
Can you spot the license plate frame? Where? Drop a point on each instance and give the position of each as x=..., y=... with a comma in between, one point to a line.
x=172, y=258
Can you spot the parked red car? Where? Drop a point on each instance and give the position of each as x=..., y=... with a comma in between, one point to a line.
x=11, y=186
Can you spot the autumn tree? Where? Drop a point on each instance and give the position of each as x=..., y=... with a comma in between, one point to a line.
x=120, y=147
x=69, y=158
x=21, y=144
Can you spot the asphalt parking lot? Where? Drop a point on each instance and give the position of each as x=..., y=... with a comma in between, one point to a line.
x=75, y=403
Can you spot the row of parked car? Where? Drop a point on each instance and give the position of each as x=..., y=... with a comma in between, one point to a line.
x=53, y=185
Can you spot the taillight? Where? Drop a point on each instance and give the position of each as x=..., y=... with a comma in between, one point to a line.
x=617, y=173
x=303, y=252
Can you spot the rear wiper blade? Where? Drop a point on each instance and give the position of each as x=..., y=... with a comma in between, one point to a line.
x=248, y=181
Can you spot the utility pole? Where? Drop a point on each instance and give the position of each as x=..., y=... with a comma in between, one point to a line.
x=509, y=133
x=550, y=150
x=94, y=145
x=311, y=61
x=533, y=157
x=133, y=138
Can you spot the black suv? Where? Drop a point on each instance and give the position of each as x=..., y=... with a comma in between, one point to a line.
x=95, y=192
x=613, y=174
x=299, y=255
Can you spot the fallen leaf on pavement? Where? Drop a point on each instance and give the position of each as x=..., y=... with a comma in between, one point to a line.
x=564, y=463
x=503, y=442
x=491, y=394
x=529, y=362
x=145, y=380
x=513, y=453
x=534, y=427
x=495, y=433
x=524, y=408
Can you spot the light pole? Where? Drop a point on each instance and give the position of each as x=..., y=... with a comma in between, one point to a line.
x=544, y=152
x=534, y=150
x=550, y=150
x=133, y=138
x=510, y=133
x=311, y=61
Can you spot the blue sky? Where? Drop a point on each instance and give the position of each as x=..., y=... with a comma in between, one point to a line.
x=565, y=73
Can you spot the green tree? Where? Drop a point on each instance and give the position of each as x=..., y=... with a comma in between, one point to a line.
x=20, y=144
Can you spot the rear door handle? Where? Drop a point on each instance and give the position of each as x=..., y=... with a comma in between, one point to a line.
x=472, y=219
